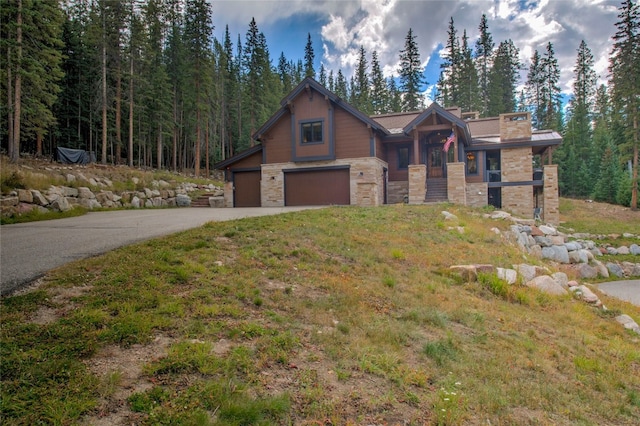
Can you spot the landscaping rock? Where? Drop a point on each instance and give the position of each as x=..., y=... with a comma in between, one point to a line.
x=508, y=275
x=25, y=196
x=183, y=200
x=556, y=253
x=449, y=216
x=547, y=285
x=634, y=249
x=615, y=269
x=60, y=204
x=586, y=271
x=628, y=323
x=586, y=294
x=561, y=278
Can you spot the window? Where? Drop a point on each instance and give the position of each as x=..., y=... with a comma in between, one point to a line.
x=403, y=157
x=472, y=163
x=311, y=132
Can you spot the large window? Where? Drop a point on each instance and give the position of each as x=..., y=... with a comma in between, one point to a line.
x=472, y=163
x=403, y=157
x=311, y=132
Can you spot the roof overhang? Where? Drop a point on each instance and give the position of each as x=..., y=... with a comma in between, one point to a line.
x=239, y=156
x=434, y=108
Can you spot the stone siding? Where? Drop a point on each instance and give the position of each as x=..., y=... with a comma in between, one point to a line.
x=397, y=191
x=456, y=183
x=517, y=165
x=417, y=183
x=366, y=180
x=551, y=207
x=477, y=194
x=518, y=200
x=515, y=125
x=228, y=194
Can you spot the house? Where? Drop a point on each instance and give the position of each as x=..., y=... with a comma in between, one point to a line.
x=319, y=150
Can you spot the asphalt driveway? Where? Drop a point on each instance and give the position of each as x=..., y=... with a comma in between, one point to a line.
x=628, y=290
x=29, y=250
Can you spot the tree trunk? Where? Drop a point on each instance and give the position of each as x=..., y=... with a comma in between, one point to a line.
x=103, y=160
x=130, y=144
x=196, y=167
x=9, y=102
x=14, y=151
x=116, y=160
x=634, y=177
x=159, y=145
x=206, y=150
x=39, y=143
x=174, y=142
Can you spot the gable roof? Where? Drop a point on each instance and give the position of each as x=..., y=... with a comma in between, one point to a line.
x=436, y=109
x=239, y=156
x=310, y=84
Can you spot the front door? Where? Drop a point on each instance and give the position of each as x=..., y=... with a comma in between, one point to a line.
x=435, y=161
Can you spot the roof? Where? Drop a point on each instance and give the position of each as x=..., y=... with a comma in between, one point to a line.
x=310, y=83
x=396, y=122
x=239, y=156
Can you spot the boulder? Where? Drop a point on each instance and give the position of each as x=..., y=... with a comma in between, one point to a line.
x=467, y=272
x=586, y=271
x=546, y=284
x=527, y=272
x=135, y=202
x=561, y=278
x=634, y=249
x=508, y=275
x=449, y=216
x=84, y=192
x=216, y=202
x=70, y=178
x=623, y=250
x=601, y=269
x=89, y=203
x=25, y=196
x=586, y=294
x=615, y=269
x=628, y=323
x=38, y=198
x=60, y=204
x=183, y=200
x=543, y=241
x=556, y=253
x=68, y=191
x=548, y=230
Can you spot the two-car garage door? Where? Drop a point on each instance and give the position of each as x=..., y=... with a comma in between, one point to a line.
x=302, y=187
x=316, y=187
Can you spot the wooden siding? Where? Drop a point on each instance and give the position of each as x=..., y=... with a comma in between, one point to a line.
x=309, y=107
x=252, y=161
x=278, y=144
x=351, y=135
x=396, y=174
x=317, y=187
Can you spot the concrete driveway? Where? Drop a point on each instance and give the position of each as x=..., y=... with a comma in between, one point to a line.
x=29, y=250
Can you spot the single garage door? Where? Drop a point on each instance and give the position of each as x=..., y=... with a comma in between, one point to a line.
x=246, y=186
x=317, y=187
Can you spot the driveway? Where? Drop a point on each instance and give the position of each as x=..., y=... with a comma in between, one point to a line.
x=628, y=290
x=29, y=250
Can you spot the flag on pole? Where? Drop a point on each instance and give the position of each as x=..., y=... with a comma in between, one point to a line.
x=450, y=139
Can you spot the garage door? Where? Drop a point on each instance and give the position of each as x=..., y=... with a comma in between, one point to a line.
x=318, y=187
x=246, y=189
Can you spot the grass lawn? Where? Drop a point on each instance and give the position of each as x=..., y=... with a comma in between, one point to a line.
x=338, y=316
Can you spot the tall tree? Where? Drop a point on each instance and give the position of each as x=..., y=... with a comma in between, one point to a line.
x=484, y=57
x=551, y=118
x=534, y=89
x=360, y=91
x=448, y=85
x=379, y=96
x=503, y=80
x=411, y=74
x=624, y=67
x=198, y=30
x=341, y=86
x=309, y=57
x=468, y=78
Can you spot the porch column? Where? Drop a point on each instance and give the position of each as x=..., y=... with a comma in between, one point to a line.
x=417, y=183
x=416, y=147
x=551, y=202
x=455, y=145
x=456, y=183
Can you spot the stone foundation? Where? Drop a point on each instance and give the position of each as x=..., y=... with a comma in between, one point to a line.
x=417, y=183
x=456, y=183
x=551, y=203
x=477, y=194
x=397, y=191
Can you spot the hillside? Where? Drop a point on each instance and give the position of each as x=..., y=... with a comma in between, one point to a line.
x=333, y=316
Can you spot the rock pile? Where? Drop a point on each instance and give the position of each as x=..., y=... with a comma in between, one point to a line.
x=63, y=198
x=547, y=242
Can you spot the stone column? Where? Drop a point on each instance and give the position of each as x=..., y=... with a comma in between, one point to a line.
x=228, y=194
x=551, y=209
x=456, y=183
x=417, y=183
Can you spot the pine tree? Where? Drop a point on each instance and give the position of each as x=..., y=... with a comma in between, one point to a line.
x=197, y=34
x=448, y=85
x=360, y=91
x=284, y=72
x=395, y=97
x=624, y=67
x=322, y=77
x=379, y=93
x=484, y=57
x=341, y=89
x=411, y=74
x=503, y=79
x=535, y=100
x=550, y=90
x=468, y=79
x=309, y=57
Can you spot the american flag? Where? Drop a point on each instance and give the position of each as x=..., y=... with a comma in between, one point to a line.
x=450, y=139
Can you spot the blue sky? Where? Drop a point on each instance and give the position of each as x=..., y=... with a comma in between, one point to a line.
x=339, y=27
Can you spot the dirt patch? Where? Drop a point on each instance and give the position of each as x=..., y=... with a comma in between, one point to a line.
x=60, y=303
x=120, y=373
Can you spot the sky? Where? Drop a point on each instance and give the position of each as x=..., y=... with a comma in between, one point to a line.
x=338, y=29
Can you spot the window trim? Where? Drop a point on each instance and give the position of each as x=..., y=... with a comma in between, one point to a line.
x=302, y=123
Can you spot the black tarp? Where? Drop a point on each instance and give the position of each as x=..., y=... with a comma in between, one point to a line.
x=75, y=156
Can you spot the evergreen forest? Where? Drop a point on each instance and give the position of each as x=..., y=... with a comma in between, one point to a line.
x=145, y=83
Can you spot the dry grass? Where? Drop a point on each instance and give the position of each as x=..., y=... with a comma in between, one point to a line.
x=333, y=316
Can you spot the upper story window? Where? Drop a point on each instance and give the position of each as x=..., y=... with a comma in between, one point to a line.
x=311, y=132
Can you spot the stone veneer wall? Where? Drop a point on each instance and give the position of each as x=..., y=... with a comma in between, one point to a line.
x=366, y=180
x=551, y=207
x=228, y=194
x=517, y=166
x=417, y=183
x=456, y=183
x=397, y=190
x=516, y=125
x=477, y=194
